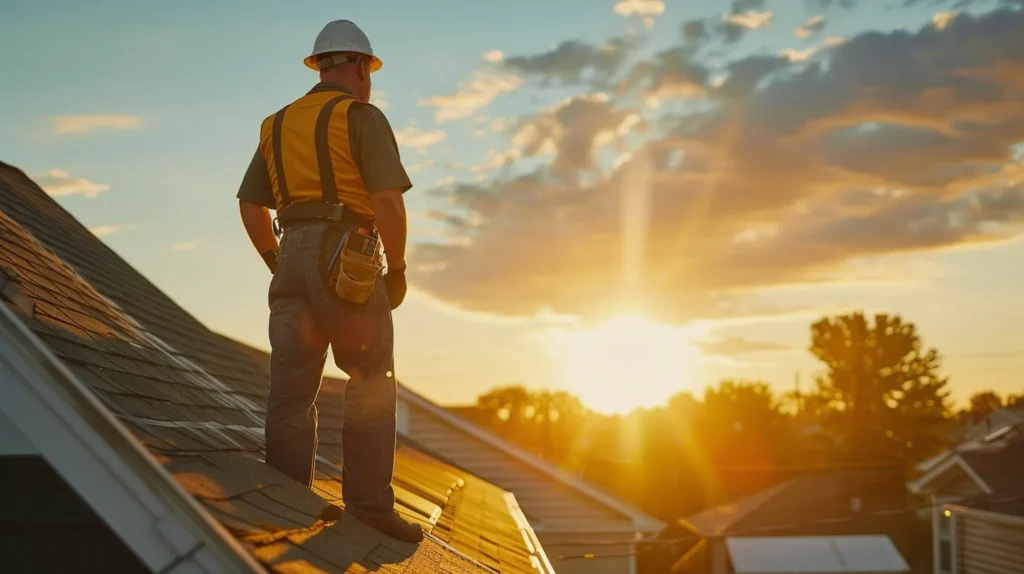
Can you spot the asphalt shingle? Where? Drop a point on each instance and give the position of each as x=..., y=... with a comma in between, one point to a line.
x=196, y=400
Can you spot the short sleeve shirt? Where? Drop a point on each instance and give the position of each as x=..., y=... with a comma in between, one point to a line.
x=373, y=146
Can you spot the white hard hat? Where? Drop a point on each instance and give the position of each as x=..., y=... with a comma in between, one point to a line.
x=342, y=36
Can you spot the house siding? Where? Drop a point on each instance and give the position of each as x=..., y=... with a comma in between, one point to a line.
x=986, y=546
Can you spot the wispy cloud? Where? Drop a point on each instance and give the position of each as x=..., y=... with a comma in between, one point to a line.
x=58, y=183
x=639, y=7
x=416, y=138
x=943, y=19
x=737, y=346
x=479, y=93
x=646, y=8
x=108, y=230
x=751, y=19
x=493, y=56
x=810, y=27
x=86, y=122
x=421, y=165
x=794, y=55
x=188, y=245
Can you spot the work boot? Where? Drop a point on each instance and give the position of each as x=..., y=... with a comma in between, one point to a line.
x=394, y=526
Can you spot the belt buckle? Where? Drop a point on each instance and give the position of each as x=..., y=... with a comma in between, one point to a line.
x=337, y=212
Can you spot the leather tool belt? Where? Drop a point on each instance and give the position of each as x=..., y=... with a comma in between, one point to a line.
x=320, y=210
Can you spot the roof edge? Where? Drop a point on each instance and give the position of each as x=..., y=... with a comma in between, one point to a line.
x=920, y=485
x=642, y=521
x=1010, y=519
x=109, y=468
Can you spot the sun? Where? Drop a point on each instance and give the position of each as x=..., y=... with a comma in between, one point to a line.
x=627, y=362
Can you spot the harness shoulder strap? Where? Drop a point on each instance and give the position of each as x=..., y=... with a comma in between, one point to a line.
x=323, y=150
x=275, y=141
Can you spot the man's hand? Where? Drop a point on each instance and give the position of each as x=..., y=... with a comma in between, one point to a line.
x=257, y=223
x=389, y=208
x=394, y=280
x=270, y=258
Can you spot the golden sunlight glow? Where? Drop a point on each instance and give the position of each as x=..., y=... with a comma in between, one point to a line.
x=626, y=362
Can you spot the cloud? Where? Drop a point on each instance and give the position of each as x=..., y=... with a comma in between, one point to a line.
x=189, y=245
x=811, y=26
x=86, y=122
x=794, y=55
x=478, y=94
x=108, y=230
x=787, y=174
x=943, y=19
x=415, y=138
x=639, y=7
x=733, y=347
x=751, y=19
x=573, y=62
x=694, y=31
x=416, y=167
x=58, y=183
x=493, y=56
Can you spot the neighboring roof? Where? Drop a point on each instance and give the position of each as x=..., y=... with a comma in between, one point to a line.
x=606, y=512
x=815, y=555
x=718, y=520
x=809, y=503
x=196, y=403
x=994, y=460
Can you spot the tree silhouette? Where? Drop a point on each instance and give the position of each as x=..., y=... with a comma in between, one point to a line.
x=885, y=397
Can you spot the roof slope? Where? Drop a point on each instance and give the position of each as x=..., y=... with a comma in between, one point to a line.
x=816, y=502
x=196, y=402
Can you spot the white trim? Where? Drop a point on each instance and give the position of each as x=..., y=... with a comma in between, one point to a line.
x=538, y=558
x=105, y=464
x=642, y=522
x=920, y=485
x=1009, y=519
x=12, y=442
x=954, y=543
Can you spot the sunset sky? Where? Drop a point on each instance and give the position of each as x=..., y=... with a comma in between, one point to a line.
x=624, y=199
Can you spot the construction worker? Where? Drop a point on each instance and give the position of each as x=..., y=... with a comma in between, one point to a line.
x=328, y=163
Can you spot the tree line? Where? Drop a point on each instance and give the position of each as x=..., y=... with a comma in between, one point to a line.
x=879, y=400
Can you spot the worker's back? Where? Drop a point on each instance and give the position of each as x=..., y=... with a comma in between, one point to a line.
x=315, y=143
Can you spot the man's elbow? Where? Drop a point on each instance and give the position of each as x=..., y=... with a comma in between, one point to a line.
x=389, y=200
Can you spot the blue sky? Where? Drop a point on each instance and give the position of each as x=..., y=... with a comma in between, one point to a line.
x=180, y=89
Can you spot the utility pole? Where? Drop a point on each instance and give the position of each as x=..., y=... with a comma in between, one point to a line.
x=799, y=397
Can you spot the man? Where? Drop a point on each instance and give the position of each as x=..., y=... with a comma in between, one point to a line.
x=328, y=162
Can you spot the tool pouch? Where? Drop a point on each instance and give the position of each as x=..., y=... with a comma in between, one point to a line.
x=354, y=267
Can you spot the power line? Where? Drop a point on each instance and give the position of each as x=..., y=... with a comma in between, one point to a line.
x=662, y=542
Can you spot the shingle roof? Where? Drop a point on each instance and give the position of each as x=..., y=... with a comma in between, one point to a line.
x=196, y=401
x=807, y=504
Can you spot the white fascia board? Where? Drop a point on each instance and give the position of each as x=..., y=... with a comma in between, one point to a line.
x=100, y=459
x=921, y=485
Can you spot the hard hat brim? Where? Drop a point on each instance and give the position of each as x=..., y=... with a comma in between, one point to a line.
x=375, y=63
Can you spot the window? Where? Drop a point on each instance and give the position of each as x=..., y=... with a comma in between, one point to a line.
x=945, y=556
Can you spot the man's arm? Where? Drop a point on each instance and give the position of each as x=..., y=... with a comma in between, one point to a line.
x=376, y=152
x=380, y=164
x=260, y=228
x=392, y=224
x=255, y=197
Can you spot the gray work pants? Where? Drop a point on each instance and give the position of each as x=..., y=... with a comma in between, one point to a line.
x=305, y=317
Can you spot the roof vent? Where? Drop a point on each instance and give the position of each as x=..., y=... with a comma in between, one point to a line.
x=10, y=291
